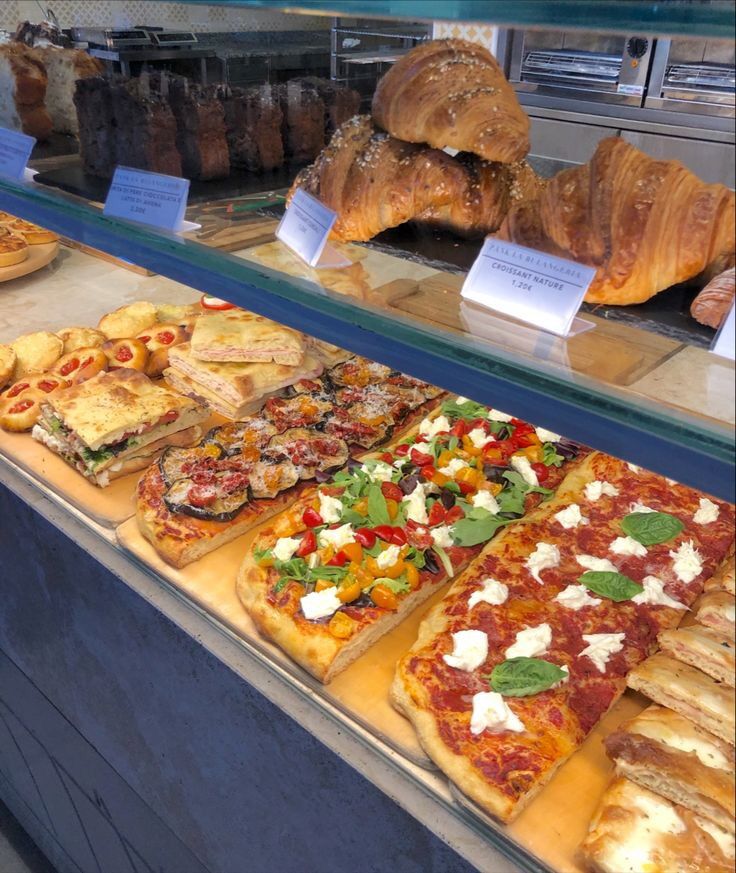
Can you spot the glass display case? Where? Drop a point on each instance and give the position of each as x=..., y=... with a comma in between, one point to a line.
x=642, y=385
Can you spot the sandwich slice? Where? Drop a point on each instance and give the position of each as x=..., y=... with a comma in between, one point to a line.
x=233, y=389
x=237, y=335
x=116, y=423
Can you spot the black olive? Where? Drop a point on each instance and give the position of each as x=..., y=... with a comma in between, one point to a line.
x=431, y=563
x=409, y=483
x=447, y=498
x=495, y=473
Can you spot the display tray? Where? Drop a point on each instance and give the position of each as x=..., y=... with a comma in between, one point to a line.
x=38, y=256
x=107, y=507
x=553, y=825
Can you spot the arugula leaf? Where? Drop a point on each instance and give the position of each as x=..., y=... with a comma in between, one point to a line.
x=614, y=586
x=281, y=584
x=444, y=560
x=415, y=557
x=355, y=482
x=333, y=574
x=477, y=527
x=377, y=509
x=452, y=486
x=94, y=457
x=375, y=550
x=520, y=677
x=550, y=458
x=260, y=554
x=399, y=585
x=453, y=443
x=468, y=410
x=651, y=528
x=502, y=429
x=350, y=516
x=55, y=424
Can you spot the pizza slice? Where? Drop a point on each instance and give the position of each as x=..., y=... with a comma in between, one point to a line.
x=703, y=648
x=717, y=609
x=724, y=579
x=666, y=753
x=532, y=644
x=238, y=335
x=636, y=830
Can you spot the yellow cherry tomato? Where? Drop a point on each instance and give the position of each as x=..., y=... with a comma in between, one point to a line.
x=412, y=575
x=384, y=597
x=395, y=570
x=321, y=584
x=342, y=626
x=533, y=453
x=349, y=590
x=354, y=551
x=361, y=506
x=393, y=508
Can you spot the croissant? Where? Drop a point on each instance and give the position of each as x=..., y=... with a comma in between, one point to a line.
x=374, y=182
x=488, y=192
x=453, y=93
x=711, y=306
x=645, y=224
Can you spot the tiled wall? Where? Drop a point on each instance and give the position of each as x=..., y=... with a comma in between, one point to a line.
x=127, y=13
x=482, y=33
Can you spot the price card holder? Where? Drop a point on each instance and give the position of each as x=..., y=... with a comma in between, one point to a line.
x=15, y=150
x=723, y=344
x=530, y=286
x=305, y=227
x=149, y=198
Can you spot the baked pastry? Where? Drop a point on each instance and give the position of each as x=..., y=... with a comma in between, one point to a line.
x=717, y=610
x=64, y=66
x=81, y=364
x=36, y=352
x=200, y=129
x=19, y=414
x=80, y=337
x=23, y=83
x=97, y=138
x=130, y=354
x=714, y=302
x=13, y=248
x=645, y=224
x=46, y=382
x=33, y=234
x=489, y=190
x=341, y=102
x=253, y=120
x=704, y=648
x=724, y=579
x=128, y=320
x=303, y=122
x=374, y=181
x=453, y=93
x=237, y=335
x=7, y=364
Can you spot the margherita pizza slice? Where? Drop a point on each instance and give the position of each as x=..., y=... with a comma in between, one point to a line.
x=533, y=642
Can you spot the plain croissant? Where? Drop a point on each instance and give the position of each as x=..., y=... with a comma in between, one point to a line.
x=645, y=224
x=453, y=93
x=374, y=182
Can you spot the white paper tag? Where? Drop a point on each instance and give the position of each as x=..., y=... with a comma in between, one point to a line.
x=529, y=286
x=725, y=340
x=150, y=198
x=305, y=227
x=15, y=150
x=633, y=90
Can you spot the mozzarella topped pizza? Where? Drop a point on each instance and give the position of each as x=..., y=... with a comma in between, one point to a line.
x=534, y=640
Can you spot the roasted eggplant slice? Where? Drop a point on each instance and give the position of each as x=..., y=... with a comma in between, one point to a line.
x=219, y=499
x=251, y=433
x=314, y=387
x=358, y=372
x=308, y=450
x=304, y=410
x=269, y=479
x=360, y=424
x=176, y=463
x=401, y=380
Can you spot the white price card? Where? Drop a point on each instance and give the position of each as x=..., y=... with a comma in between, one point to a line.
x=725, y=340
x=305, y=227
x=529, y=286
x=15, y=150
x=150, y=198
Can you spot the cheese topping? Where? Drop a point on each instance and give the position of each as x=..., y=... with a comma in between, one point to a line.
x=722, y=838
x=320, y=604
x=388, y=557
x=571, y=517
x=338, y=537
x=544, y=557
x=661, y=814
x=330, y=508
x=640, y=507
x=600, y=648
x=431, y=428
x=547, y=436
x=634, y=468
x=492, y=713
x=469, y=650
x=523, y=467
x=531, y=642
x=598, y=565
x=598, y=488
x=379, y=471
x=497, y=415
x=460, y=400
x=688, y=562
x=493, y=592
x=576, y=597
x=442, y=537
x=453, y=467
x=284, y=548
x=654, y=594
x=485, y=500
x=707, y=512
x=478, y=437
x=416, y=505
x=628, y=546
x=707, y=752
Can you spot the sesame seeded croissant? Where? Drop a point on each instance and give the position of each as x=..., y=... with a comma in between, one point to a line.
x=645, y=224
x=450, y=92
x=374, y=181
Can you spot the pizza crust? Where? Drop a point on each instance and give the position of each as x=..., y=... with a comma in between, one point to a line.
x=703, y=648
x=717, y=609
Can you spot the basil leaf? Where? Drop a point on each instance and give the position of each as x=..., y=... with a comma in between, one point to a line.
x=550, y=458
x=476, y=528
x=520, y=677
x=614, y=586
x=377, y=509
x=444, y=560
x=468, y=410
x=651, y=528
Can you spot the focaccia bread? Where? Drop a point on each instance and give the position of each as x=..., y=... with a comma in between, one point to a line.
x=688, y=691
x=703, y=648
x=717, y=609
x=237, y=335
x=557, y=566
x=635, y=830
x=666, y=753
x=128, y=320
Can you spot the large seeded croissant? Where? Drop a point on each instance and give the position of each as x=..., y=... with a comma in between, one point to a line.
x=453, y=93
x=374, y=182
x=645, y=224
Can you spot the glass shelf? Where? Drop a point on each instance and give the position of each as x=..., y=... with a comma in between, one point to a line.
x=712, y=20
x=654, y=401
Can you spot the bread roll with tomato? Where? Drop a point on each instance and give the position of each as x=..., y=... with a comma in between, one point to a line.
x=81, y=364
x=19, y=414
x=131, y=354
x=158, y=340
x=80, y=338
x=7, y=364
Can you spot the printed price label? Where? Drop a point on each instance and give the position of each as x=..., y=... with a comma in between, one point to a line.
x=632, y=90
x=725, y=341
x=151, y=198
x=15, y=150
x=305, y=227
x=530, y=286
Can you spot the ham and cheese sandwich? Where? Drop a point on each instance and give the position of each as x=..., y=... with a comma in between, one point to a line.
x=237, y=335
x=116, y=423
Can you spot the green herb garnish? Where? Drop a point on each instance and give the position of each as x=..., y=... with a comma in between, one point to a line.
x=614, y=586
x=521, y=677
x=651, y=528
